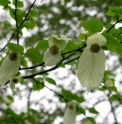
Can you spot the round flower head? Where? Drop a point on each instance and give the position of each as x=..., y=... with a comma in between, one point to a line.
x=56, y=45
x=9, y=67
x=91, y=64
x=70, y=113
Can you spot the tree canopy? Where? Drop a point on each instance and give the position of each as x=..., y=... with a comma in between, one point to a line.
x=54, y=52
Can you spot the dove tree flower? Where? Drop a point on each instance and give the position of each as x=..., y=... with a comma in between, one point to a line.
x=9, y=67
x=70, y=113
x=91, y=64
x=53, y=53
x=13, y=81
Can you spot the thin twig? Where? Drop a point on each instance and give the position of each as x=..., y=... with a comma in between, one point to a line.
x=16, y=21
x=112, y=109
x=113, y=25
x=50, y=89
x=26, y=16
x=32, y=67
x=48, y=70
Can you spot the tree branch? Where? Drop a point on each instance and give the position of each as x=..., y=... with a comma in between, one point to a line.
x=48, y=70
x=113, y=25
x=19, y=25
x=112, y=108
x=16, y=21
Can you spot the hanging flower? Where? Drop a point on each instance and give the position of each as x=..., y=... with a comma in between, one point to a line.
x=91, y=64
x=9, y=67
x=56, y=45
x=70, y=113
x=14, y=81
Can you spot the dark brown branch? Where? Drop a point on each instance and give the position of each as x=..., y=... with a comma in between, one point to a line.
x=112, y=108
x=32, y=67
x=42, y=64
x=48, y=70
x=16, y=21
x=113, y=25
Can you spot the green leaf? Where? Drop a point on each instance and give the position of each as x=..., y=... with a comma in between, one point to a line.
x=112, y=43
x=23, y=61
x=71, y=46
x=51, y=81
x=37, y=86
x=4, y=2
x=113, y=88
x=11, y=11
x=118, y=50
x=19, y=3
x=15, y=47
x=42, y=45
x=70, y=96
x=92, y=25
x=33, y=13
x=34, y=55
x=113, y=10
x=22, y=81
x=82, y=36
x=93, y=110
x=92, y=120
x=30, y=24
x=116, y=97
x=10, y=98
x=80, y=110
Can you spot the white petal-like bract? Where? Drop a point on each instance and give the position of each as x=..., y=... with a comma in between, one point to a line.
x=70, y=113
x=59, y=42
x=8, y=69
x=91, y=68
x=91, y=64
x=50, y=59
x=96, y=38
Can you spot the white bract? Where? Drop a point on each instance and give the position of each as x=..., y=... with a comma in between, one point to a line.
x=91, y=64
x=9, y=67
x=70, y=113
x=53, y=53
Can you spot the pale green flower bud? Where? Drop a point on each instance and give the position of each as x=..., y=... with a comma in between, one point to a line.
x=109, y=83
